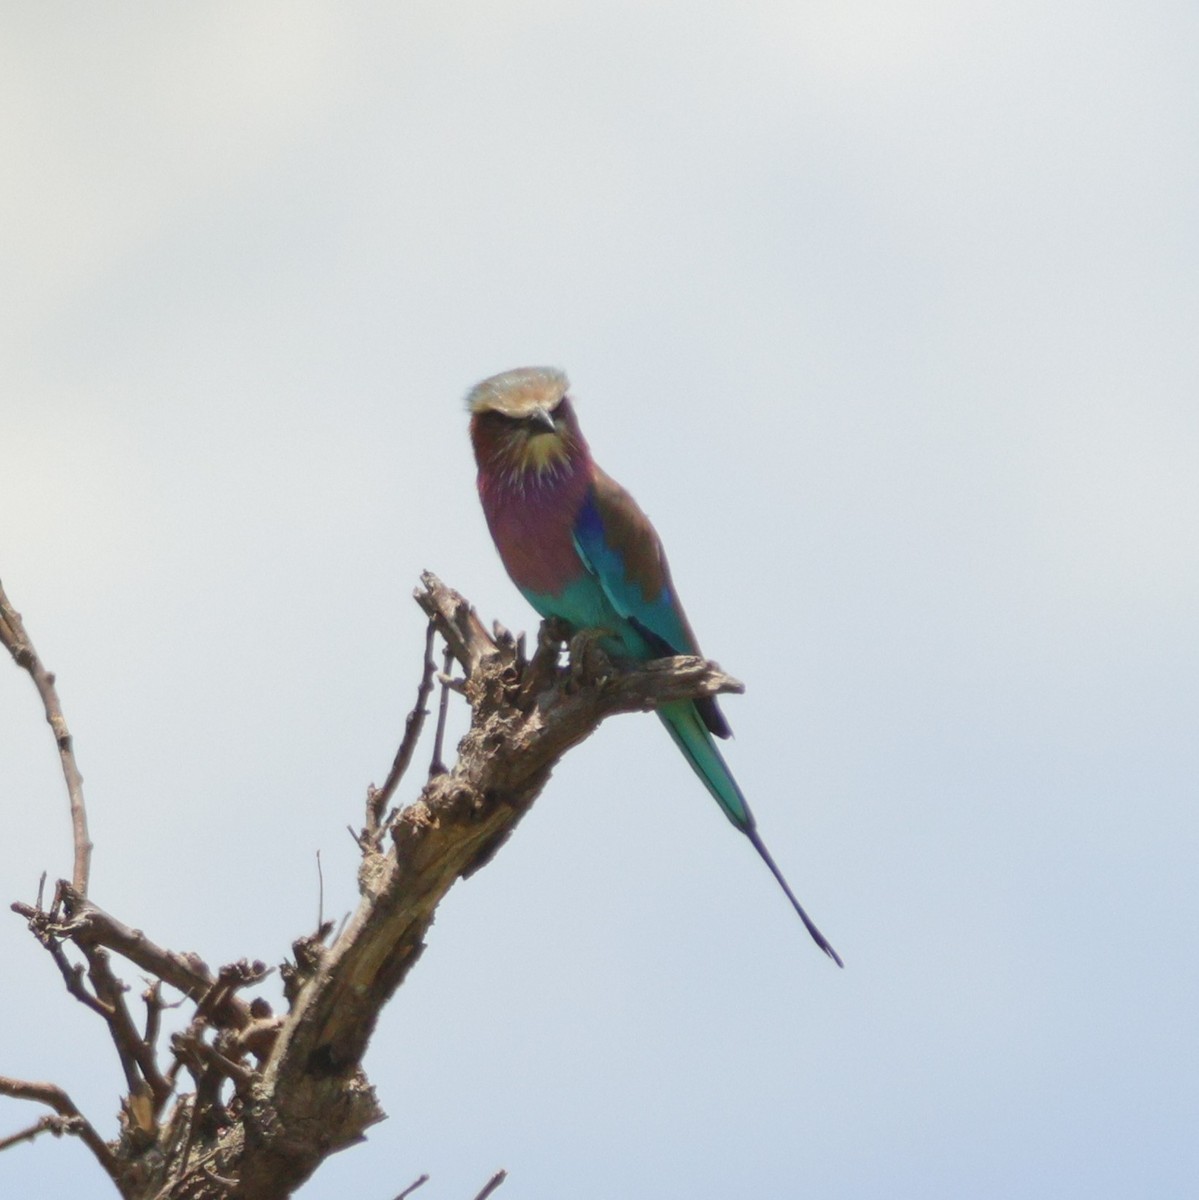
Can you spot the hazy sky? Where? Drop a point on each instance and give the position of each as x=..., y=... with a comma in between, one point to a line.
x=887, y=315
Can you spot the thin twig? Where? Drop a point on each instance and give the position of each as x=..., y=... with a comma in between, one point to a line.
x=152, y=997
x=48, y=1124
x=72, y=974
x=320, y=892
x=136, y=1054
x=437, y=765
x=493, y=1183
x=377, y=798
x=420, y=1182
x=120, y=1026
x=85, y=924
x=16, y=642
x=54, y=1097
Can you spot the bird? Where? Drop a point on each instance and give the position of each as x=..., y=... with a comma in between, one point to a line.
x=579, y=549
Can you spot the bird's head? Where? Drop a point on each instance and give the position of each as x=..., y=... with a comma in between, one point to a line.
x=522, y=423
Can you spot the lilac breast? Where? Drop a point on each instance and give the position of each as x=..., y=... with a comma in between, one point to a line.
x=531, y=524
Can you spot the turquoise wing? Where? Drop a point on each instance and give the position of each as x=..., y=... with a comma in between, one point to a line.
x=622, y=551
x=620, y=548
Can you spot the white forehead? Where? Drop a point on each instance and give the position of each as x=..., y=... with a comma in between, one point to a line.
x=519, y=392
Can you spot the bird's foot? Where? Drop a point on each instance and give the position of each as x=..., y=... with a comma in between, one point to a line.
x=542, y=670
x=589, y=662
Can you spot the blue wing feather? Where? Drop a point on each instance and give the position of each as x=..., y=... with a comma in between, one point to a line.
x=622, y=552
x=619, y=547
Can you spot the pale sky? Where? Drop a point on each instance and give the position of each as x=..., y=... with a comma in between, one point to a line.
x=886, y=314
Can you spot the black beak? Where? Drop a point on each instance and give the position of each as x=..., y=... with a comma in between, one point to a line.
x=542, y=421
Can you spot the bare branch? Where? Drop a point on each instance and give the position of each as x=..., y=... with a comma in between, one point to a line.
x=86, y=924
x=54, y=1097
x=437, y=763
x=48, y=1124
x=420, y=1181
x=136, y=1054
x=377, y=799
x=16, y=642
x=455, y=619
x=152, y=999
x=493, y=1183
x=72, y=973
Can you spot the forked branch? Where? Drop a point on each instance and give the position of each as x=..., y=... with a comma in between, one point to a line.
x=71, y=1120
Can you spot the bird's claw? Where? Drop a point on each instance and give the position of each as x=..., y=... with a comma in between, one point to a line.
x=589, y=662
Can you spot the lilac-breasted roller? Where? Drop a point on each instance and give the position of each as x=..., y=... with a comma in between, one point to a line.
x=579, y=548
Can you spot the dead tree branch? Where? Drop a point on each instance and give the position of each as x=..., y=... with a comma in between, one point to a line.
x=73, y=1120
x=16, y=642
x=378, y=799
x=493, y=1183
x=274, y=1096
x=418, y=1182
